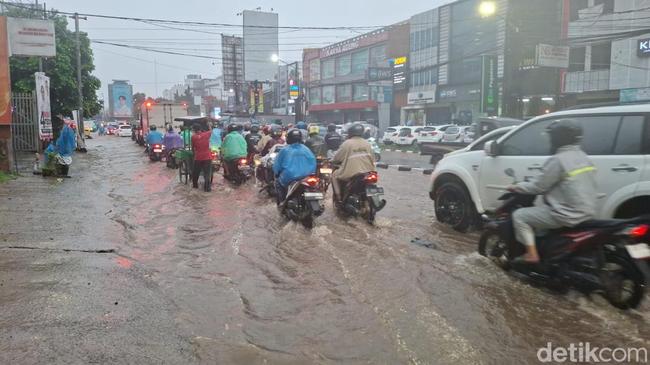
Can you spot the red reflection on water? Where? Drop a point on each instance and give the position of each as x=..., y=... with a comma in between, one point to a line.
x=124, y=262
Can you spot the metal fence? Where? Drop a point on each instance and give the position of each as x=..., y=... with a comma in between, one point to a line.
x=24, y=124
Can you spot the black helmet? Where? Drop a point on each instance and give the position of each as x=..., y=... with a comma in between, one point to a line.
x=255, y=128
x=564, y=132
x=152, y=128
x=239, y=127
x=294, y=136
x=331, y=128
x=356, y=130
x=231, y=127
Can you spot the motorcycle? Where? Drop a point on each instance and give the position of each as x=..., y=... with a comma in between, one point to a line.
x=324, y=173
x=608, y=256
x=242, y=172
x=156, y=152
x=264, y=171
x=375, y=148
x=304, y=201
x=362, y=197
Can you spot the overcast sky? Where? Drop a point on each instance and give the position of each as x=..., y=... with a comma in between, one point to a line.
x=138, y=66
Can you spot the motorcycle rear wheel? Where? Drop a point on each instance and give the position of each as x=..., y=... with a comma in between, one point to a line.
x=623, y=282
x=492, y=246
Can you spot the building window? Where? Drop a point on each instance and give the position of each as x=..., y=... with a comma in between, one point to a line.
x=343, y=65
x=314, y=96
x=378, y=56
x=344, y=93
x=328, y=94
x=360, y=62
x=601, y=56
x=327, y=69
x=360, y=92
x=577, y=59
x=576, y=6
x=608, y=5
x=314, y=69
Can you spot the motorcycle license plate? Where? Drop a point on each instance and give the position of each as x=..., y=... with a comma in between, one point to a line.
x=375, y=191
x=244, y=168
x=326, y=171
x=313, y=196
x=638, y=251
x=157, y=150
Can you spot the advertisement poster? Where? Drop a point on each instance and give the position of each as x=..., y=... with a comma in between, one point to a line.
x=43, y=106
x=31, y=37
x=5, y=84
x=122, y=99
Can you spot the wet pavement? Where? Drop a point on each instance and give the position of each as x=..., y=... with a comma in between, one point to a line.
x=122, y=264
x=406, y=159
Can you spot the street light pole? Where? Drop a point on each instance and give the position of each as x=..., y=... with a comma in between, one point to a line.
x=80, y=108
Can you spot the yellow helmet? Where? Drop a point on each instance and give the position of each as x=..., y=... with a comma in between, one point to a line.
x=314, y=129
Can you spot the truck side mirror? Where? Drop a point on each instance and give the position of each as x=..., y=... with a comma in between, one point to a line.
x=491, y=148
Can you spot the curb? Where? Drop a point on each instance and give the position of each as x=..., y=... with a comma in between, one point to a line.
x=424, y=171
x=389, y=150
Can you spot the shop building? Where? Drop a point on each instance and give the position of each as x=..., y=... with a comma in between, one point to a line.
x=353, y=81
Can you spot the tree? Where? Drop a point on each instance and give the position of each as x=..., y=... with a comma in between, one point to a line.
x=138, y=99
x=61, y=69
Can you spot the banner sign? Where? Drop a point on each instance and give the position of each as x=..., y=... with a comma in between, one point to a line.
x=121, y=99
x=5, y=84
x=31, y=37
x=43, y=106
x=552, y=56
x=634, y=95
x=489, y=87
x=400, y=73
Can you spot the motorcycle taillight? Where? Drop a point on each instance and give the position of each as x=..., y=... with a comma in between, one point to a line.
x=311, y=181
x=637, y=231
x=243, y=161
x=371, y=178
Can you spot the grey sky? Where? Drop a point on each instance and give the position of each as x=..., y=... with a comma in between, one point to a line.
x=138, y=66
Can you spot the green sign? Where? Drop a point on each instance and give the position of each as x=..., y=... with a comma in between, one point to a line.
x=489, y=86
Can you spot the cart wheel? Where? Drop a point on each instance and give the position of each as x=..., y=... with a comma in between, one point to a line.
x=183, y=172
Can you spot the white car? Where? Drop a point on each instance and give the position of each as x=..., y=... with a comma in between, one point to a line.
x=455, y=134
x=407, y=136
x=124, y=131
x=433, y=134
x=390, y=132
x=465, y=185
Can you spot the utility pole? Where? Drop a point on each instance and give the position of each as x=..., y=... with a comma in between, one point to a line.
x=234, y=63
x=80, y=107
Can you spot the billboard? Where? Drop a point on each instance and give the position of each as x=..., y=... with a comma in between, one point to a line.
x=400, y=69
x=31, y=37
x=260, y=44
x=489, y=91
x=121, y=99
x=43, y=106
x=5, y=84
x=552, y=56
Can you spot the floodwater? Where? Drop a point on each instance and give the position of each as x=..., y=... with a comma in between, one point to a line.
x=246, y=287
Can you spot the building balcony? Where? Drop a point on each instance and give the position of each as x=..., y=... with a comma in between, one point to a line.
x=584, y=81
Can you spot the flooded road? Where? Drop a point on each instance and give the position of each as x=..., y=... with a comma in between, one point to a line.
x=239, y=285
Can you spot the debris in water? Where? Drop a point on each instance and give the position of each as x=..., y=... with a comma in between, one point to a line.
x=424, y=243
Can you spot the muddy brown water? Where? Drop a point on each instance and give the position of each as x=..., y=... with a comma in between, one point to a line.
x=249, y=287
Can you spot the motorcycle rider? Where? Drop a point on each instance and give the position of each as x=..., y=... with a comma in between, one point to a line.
x=276, y=138
x=233, y=148
x=316, y=143
x=202, y=157
x=332, y=138
x=294, y=162
x=302, y=127
x=252, y=139
x=266, y=137
x=154, y=137
x=354, y=157
x=568, y=186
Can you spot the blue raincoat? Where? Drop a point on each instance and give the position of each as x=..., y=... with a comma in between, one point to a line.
x=294, y=162
x=67, y=142
x=155, y=137
x=215, y=139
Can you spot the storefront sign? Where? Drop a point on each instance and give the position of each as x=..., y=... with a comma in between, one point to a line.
x=294, y=92
x=448, y=94
x=552, y=56
x=634, y=95
x=643, y=48
x=489, y=87
x=354, y=43
x=5, y=85
x=31, y=37
x=422, y=97
x=43, y=106
x=377, y=73
x=400, y=73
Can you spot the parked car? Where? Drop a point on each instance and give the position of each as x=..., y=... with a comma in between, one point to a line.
x=616, y=138
x=477, y=145
x=111, y=128
x=407, y=136
x=454, y=134
x=124, y=131
x=390, y=132
x=433, y=134
x=469, y=135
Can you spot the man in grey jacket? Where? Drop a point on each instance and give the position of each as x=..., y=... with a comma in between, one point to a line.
x=568, y=186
